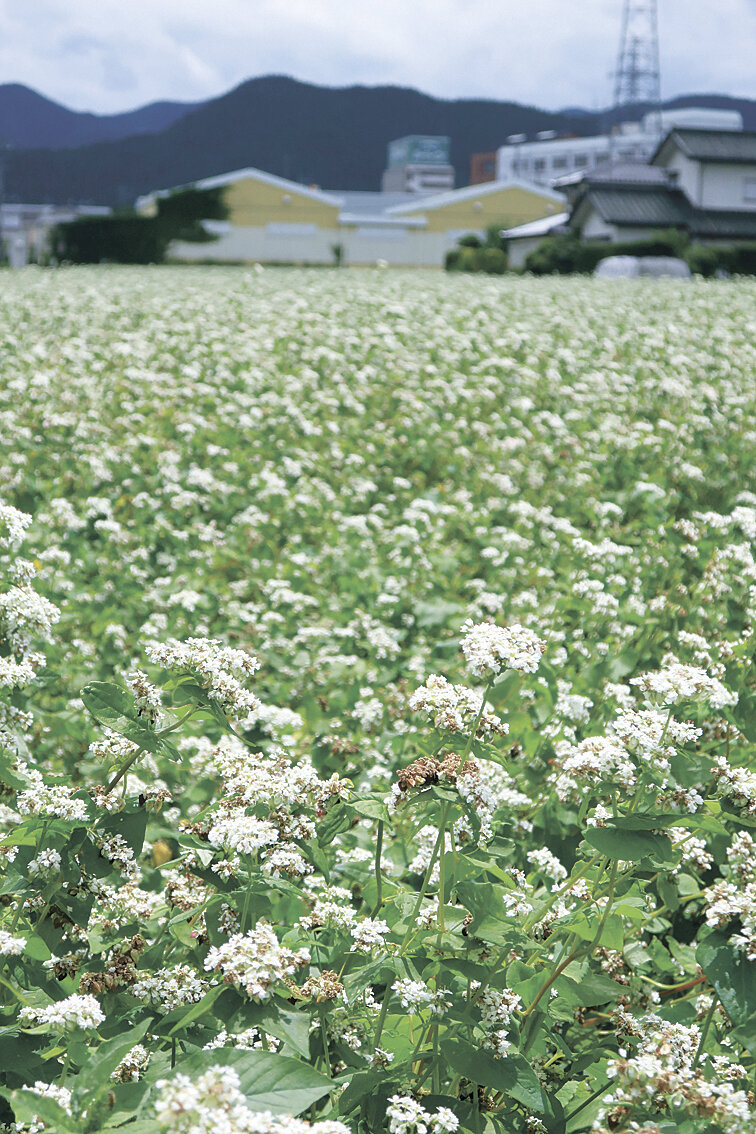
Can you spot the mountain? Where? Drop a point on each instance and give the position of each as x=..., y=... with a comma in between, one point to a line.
x=29, y=120
x=332, y=137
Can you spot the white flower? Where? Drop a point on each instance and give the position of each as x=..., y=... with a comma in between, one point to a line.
x=11, y=946
x=256, y=961
x=489, y=648
x=77, y=1011
x=218, y=668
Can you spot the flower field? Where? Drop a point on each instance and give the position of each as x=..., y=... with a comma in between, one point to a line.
x=377, y=708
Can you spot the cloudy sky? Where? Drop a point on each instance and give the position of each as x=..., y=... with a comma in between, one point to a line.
x=111, y=55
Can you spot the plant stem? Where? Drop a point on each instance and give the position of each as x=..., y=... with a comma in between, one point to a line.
x=382, y=1015
x=378, y=877
x=704, y=1033
x=124, y=769
x=326, y=1051
x=427, y=878
x=594, y=1095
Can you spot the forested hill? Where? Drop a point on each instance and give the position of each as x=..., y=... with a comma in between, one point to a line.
x=331, y=137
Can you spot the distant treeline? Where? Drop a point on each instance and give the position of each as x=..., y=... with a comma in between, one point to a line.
x=129, y=238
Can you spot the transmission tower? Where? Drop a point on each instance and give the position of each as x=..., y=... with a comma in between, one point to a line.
x=637, y=76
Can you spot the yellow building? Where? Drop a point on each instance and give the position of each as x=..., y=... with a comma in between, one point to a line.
x=272, y=220
x=503, y=203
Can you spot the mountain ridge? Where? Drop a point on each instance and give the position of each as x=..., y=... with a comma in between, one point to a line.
x=334, y=137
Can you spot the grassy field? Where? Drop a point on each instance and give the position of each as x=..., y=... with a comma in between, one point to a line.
x=377, y=719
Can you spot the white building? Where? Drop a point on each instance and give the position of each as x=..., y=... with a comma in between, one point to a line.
x=549, y=157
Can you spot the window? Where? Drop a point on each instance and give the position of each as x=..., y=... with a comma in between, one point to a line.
x=749, y=189
x=559, y=163
x=539, y=165
x=580, y=161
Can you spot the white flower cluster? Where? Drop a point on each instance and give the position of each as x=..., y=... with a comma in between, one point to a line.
x=676, y=682
x=415, y=995
x=331, y=906
x=256, y=778
x=660, y=1075
x=489, y=648
x=47, y=799
x=130, y=1069
x=77, y=1011
x=13, y=525
x=214, y=1104
x=255, y=961
x=169, y=988
x=454, y=708
x=11, y=946
x=18, y=674
x=595, y=759
x=407, y=1116
x=218, y=668
x=497, y=1006
x=369, y=934
x=242, y=833
x=148, y=699
x=47, y=862
x=547, y=864
x=26, y=615
x=735, y=896
x=737, y=784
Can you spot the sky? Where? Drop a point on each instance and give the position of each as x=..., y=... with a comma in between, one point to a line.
x=112, y=55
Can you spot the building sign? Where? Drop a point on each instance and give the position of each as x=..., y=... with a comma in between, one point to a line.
x=419, y=149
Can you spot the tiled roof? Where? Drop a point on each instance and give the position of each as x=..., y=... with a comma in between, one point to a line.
x=713, y=145
x=639, y=205
x=725, y=223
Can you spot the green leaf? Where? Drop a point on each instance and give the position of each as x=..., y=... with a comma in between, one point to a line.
x=590, y=990
x=113, y=707
x=97, y=1070
x=371, y=809
x=28, y=1106
x=630, y=846
x=732, y=975
x=513, y=1076
x=269, y=1081
x=744, y=715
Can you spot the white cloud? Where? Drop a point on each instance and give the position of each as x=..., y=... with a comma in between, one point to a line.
x=104, y=56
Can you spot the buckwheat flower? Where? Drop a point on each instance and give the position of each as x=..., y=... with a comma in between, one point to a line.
x=43, y=799
x=13, y=525
x=147, y=697
x=547, y=864
x=406, y=1116
x=369, y=934
x=18, y=674
x=285, y=860
x=26, y=615
x=208, y=1104
x=47, y=862
x=454, y=708
x=676, y=682
x=218, y=668
x=415, y=995
x=130, y=1069
x=77, y=1011
x=489, y=648
x=444, y=1121
x=11, y=946
x=242, y=833
x=170, y=988
x=256, y=961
